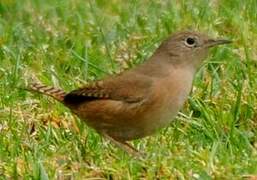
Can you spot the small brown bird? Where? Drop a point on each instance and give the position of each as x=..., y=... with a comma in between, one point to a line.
x=144, y=99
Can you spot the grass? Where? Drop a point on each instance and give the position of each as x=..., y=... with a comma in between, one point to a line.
x=68, y=43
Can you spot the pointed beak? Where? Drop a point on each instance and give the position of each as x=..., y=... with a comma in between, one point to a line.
x=213, y=42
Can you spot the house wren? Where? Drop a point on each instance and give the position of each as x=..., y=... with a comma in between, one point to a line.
x=141, y=100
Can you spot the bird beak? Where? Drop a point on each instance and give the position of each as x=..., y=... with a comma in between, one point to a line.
x=213, y=42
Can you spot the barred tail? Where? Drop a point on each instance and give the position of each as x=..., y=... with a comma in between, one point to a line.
x=57, y=94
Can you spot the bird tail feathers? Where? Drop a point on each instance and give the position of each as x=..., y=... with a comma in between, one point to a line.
x=56, y=93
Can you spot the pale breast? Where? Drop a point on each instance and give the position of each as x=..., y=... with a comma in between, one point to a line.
x=169, y=98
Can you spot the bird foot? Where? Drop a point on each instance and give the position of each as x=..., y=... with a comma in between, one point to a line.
x=126, y=147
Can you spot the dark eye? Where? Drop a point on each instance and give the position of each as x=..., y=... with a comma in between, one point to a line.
x=190, y=42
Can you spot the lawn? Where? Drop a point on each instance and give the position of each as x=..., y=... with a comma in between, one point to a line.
x=70, y=42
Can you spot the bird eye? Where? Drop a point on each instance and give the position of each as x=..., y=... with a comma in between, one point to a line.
x=190, y=42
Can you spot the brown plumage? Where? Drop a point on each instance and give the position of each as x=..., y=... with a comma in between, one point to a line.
x=139, y=101
x=56, y=93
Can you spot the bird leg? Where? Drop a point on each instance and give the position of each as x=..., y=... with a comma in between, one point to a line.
x=124, y=146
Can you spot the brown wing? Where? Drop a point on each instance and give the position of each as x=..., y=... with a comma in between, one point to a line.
x=126, y=88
